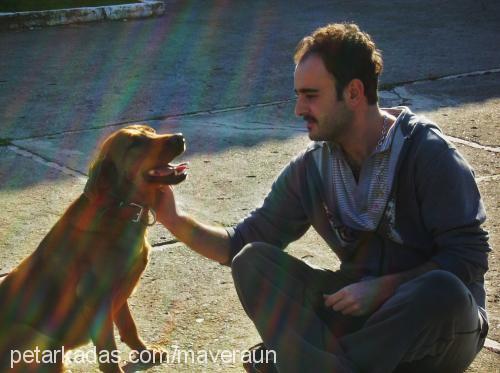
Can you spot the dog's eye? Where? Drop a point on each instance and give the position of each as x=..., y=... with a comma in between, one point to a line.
x=138, y=143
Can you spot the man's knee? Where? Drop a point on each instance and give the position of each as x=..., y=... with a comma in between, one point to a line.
x=252, y=254
x=251, y=270
x=440, y=290
x=250, y=259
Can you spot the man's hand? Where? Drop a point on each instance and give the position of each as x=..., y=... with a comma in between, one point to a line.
x=210, y=241
x=360, y=298
x=364, y=297
x=165, y=206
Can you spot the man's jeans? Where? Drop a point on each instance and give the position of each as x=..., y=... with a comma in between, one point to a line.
x=431, y=323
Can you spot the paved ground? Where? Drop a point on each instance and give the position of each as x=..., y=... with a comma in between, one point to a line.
x=221, y=72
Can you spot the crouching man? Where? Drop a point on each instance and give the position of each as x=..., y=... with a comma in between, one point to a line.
x=391, y=197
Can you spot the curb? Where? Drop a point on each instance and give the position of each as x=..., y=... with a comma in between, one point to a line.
x=492, y=345
x=141, y=9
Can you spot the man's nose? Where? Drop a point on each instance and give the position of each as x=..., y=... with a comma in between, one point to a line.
x=299, y=107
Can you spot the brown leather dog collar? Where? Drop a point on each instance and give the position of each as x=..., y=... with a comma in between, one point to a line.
x=137, y=213
x=132, y=211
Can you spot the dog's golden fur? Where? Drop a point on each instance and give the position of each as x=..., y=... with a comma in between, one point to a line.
x=75, y=285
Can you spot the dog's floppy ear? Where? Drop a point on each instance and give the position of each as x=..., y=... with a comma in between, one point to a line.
x=103, y=177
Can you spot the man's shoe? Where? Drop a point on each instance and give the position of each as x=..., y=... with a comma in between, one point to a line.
x=259, y=363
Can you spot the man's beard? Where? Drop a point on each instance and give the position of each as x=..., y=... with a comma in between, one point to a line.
x=332, y=129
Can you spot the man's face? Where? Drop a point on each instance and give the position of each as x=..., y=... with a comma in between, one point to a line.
x=327, y=118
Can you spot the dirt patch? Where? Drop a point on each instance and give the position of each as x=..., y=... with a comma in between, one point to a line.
x=490, y=190
x=486, y=362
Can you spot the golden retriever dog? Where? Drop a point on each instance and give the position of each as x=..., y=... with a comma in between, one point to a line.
x=74, y=287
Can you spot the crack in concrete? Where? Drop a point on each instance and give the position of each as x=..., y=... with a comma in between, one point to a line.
x=397, y=92
x=472, y=144
x=5, y=141
x=158, y=118
x=83, y=177
x=391, y=88
x=165, y=243
x=267, y=127
x=47, y=162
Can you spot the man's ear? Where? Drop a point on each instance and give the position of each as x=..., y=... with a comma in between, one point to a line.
x=354, y=93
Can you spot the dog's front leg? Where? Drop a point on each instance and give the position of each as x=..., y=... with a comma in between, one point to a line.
x=127, y=328
x=104, y=340
x=128, y=333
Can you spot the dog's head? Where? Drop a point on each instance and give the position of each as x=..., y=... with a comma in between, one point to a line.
x=124, y=167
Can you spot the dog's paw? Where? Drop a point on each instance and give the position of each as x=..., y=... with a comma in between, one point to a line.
x=110, y=368
x=151, y=355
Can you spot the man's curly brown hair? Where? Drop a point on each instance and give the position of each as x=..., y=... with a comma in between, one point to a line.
x=348, y=53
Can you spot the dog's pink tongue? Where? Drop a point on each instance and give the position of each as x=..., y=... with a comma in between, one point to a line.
x=179, y=169
x=162, y=171
x=170, y=169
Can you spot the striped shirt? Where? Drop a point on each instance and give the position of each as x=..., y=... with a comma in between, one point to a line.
x=360, y=205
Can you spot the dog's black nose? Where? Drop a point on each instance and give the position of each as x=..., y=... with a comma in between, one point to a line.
x=180, y=137
x=179, y=140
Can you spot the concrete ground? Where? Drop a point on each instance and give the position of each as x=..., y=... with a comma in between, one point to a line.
x=221, y=72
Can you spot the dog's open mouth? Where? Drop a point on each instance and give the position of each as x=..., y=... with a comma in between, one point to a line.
x=170, y=174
